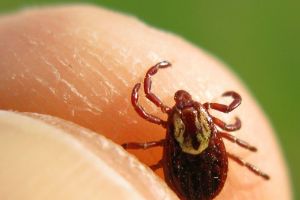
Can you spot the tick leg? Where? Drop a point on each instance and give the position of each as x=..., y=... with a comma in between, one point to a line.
x=228, y=127
x=145, y=145
x=251, y=167
x=237, y=99
x=237, y=141
x=141, y=111
x=156, y=166
x=147, y=85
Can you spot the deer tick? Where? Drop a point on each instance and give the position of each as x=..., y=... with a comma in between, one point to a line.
x=195, y=161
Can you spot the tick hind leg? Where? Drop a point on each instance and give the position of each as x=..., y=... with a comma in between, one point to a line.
x=237, y=141
x=140, y=110
x=144, y=145
x=251, y=167
x=237, y=99
x=148, y=82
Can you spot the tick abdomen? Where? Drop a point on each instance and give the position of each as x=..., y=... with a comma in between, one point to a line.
x=199, y=176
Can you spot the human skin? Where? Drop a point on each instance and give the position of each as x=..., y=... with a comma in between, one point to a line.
x=80, y=63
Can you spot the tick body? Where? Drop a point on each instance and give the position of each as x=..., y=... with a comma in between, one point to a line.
x=195, y=161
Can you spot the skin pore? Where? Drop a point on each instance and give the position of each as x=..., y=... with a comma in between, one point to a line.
x=80, y=63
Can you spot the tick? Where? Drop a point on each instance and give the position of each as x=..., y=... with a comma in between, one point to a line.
x=195, y=161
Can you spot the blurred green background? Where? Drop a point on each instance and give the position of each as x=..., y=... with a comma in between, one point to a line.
x=258, y=39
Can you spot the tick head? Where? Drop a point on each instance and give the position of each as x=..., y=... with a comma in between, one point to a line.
x=182, y=99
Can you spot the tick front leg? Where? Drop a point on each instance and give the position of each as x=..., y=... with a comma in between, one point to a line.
x=237, y=99
x=148, y=82
x=228, y=127
x=251, y=167
x=141, y=111
x=157, y=165
x=145, y=145
x=237, y=141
